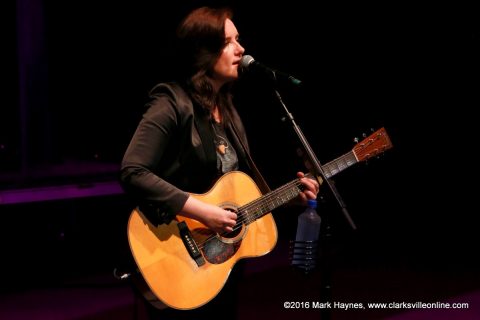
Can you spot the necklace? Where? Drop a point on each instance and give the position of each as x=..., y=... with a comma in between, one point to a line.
x=220, y=141
x=216, y=115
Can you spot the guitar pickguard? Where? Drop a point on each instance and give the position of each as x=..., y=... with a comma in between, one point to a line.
x=216, y=251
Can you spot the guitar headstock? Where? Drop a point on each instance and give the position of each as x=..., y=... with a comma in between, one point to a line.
x=372, y=145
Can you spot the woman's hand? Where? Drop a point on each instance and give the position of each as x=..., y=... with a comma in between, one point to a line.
x=311, y=188
x=220, y=220
x=214, y=217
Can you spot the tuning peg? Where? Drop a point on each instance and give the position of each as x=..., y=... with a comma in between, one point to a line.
x=356, y=139
x=372, y=130
x=364, y=135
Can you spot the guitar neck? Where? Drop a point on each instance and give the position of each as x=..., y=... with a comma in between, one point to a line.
x=270, y=201
x=287, y=192
x=338, y=165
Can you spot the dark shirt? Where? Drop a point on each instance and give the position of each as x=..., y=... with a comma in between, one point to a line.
x=226, y=156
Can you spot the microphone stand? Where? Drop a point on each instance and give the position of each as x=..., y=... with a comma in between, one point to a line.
x=315, y=162
x=325, y=291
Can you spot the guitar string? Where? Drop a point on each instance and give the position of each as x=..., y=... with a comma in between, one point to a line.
x=264, y=204
x=335, y=164
x=248, y=217
x=268, y=201
x=238, y=225
x=260, y=208
x=245, y=216
x=267, y=198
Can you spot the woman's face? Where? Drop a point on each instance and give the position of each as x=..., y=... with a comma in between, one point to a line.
x=226, y=67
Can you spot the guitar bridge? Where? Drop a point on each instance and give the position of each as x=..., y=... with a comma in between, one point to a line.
x=190, y=244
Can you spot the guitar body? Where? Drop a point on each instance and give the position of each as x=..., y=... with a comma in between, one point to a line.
x=165, y=264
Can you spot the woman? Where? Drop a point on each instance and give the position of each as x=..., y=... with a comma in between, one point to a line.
x=191, y=134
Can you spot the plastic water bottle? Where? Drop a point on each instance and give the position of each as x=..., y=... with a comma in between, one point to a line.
x=306, y=240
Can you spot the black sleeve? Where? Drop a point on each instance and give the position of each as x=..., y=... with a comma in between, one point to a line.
x=159, y=200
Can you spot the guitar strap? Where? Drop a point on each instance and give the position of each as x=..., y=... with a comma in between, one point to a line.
x=262, y=184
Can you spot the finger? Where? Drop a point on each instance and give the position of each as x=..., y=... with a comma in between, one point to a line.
x=309, y=184
x=303, y=197
x=230, y=223
x=232, y=215
x=309, y=195
x=316, y=185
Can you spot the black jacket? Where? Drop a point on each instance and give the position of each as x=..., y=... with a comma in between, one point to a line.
x=172, y=153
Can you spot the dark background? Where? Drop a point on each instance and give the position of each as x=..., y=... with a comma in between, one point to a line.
x=77, y=75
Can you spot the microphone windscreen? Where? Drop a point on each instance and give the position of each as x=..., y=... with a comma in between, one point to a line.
x=245, y=62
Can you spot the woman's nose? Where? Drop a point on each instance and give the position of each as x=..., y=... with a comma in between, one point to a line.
x=240, y=49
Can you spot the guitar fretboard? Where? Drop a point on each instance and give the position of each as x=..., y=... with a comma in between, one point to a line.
x=272, y=200
x=341, y=163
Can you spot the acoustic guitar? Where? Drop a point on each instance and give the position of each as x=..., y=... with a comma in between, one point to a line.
x=185, y=265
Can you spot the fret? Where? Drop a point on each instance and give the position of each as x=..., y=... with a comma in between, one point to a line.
x=335, y=166
x=270, y=201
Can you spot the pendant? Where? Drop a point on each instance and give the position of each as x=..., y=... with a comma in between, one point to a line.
x=221, y=148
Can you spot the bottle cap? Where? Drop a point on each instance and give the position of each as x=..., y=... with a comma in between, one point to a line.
x=312, y=203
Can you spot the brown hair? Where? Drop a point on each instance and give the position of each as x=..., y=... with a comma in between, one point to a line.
x=201, y=38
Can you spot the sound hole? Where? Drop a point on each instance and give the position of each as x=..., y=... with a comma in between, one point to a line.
x=220, y=248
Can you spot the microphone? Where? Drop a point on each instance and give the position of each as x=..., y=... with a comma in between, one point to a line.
x=248, y=63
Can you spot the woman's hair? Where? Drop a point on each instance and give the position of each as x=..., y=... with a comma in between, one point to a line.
x=201, y=39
